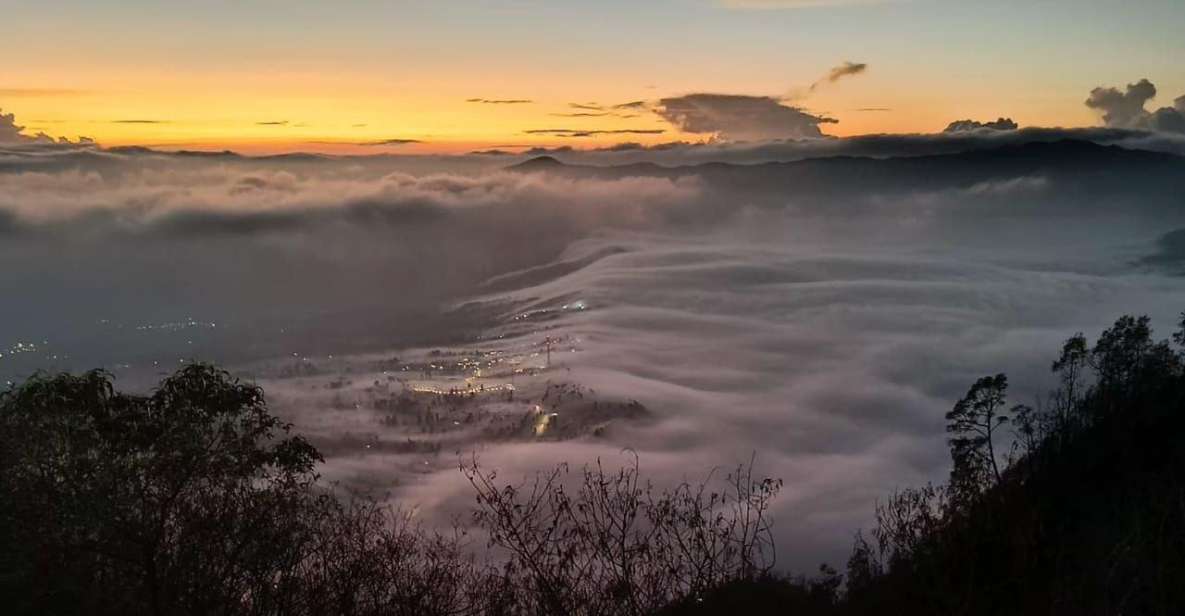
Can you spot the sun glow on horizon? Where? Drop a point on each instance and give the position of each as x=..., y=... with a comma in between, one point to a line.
x=430, y=78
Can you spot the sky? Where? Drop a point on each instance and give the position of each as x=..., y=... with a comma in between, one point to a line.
x=822, y=315
x=421, y=76
x=822, y=311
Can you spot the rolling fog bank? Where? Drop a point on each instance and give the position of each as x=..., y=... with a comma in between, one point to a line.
x=821, y=314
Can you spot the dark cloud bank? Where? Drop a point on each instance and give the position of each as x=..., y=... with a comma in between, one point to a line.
x=819, y=302
x=737, y=118
x=12, y=135
x=1126, y=109
x=962, y=126
x=872, y=146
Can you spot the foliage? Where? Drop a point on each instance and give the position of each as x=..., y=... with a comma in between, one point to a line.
x=974, y=421
x=616, y=545
x=194, y=492
x=193, y=500
x=196, y=500
x=1085, y=516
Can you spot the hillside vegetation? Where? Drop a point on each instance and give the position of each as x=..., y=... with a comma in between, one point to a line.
x=196, y=500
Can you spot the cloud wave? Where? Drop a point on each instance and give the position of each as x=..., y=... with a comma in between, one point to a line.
x=735, y=117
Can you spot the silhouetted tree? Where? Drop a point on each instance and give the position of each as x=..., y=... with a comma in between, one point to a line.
x=613, y=544
x=195, y=500
x=907, y=520
x=973, y=422
x=1085, y=516
x=1179, y=335
x=184, y=501
x=864, y=565
x=1070, y=368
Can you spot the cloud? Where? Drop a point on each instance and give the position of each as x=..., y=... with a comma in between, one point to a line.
x=147, y=192
x=12, y=134
x=595, y=114
x=9, y=131
x=738, y=117
x=829, y=339
x=582, y=114
x=962, y=126
x=537, y=151
x=631, y=146
x=1169, y=253
x=577, y=132
x=273, y=123
x=500, y=101
x=874, y=146
x=138, y=121
x=1122, y=109
x=830, y=357
x=847, y=69
x=384, y=142
x=39, y=92
x=596, y=110
x=1170, y=119
x=1126, y=109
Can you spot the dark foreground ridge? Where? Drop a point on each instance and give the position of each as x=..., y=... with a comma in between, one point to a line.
x=195, y=500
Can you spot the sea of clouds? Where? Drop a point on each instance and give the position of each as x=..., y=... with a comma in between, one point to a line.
x=823, y=339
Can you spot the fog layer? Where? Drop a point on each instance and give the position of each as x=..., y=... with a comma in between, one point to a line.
x=822, y=316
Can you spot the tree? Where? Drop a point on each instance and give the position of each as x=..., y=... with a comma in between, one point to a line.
x=1119, y=353
x=188, y=500
x=905, y=522
x=1179, y=335
x=973, y=422
x=194, y=499
x=1086, y=518
x=1128, y=363
x=608, y=543
x=864, y=565
x=1070, y=368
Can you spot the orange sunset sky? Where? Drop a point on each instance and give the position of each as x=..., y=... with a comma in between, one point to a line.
x=272, y=75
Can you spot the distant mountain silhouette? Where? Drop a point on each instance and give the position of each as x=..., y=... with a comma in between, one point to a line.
x=132, y=150
x=139, y=150
x=539, y=163
x=295, y=157
x=1024, y=156
x=1081, y=171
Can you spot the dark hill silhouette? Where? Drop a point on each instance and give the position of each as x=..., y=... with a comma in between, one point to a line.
x=1013, y=158
x=1089, y=516
x=539, y=163
x=1077, y=169
x=1083, y=514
